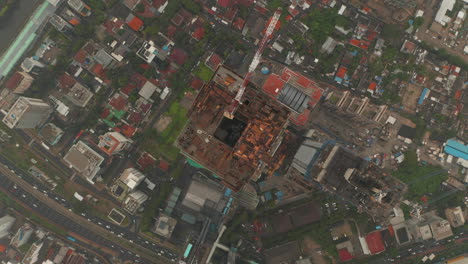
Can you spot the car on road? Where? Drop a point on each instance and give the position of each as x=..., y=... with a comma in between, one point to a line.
x=35, y=205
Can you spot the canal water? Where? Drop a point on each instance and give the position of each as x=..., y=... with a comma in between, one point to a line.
x=16, y=17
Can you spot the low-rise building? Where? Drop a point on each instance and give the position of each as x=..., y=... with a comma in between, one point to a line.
x=27, y=113
x=80, y=7
x=84, y=159
x=455, y=216
x=6, y=223
x=441, y=229
x=51, y=133
x=19, y=82
x=164, y=225
x=134, y=201
x=22, y=236
x=113, y=143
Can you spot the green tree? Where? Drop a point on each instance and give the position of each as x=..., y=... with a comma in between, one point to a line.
x=140, y=8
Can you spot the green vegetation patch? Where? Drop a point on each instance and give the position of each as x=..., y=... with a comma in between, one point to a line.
x=161, y=144
x=422, y=180
x=203, y=72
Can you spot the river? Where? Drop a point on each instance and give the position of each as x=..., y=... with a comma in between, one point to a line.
x=11, y=23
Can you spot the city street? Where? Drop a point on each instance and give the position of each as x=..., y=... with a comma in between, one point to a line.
x=58, y=211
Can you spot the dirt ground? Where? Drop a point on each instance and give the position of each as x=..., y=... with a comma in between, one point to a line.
x=410, y=97
x=162, y=123
x=102, y=208
x=424, y=34
x=342, y=230
x=312, y=248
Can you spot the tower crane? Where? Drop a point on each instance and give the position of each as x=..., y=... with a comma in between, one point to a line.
x=232, y=107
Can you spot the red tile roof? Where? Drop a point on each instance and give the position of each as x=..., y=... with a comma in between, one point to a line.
x=214, y=61
x=360, y=43
x=301, y=119
x=113, y=25
x=238, y=23
x=145, y=107
x=197, y=83
x=66, y=81
x=14, y=81
x=128, y=131
x=375, y=243
x=225, y=3
x=80, y=56
x=179, y=56
x=128, y=88
x=163, y=165
x=97, y=69
x=135, y=24
x=230, y=14
x=105, y=113
x=199, y=33
x=344, y=254
x=341, y=72
x=458, y=94
x=135, y=118
x=391, y=230
x=159, y=3
x=273, y=85
x=177, y=19
x=372, y=86
x=146, y=160
x=118, y=102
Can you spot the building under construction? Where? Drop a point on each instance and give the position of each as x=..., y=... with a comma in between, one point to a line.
x=237, y=150
x=360, y=182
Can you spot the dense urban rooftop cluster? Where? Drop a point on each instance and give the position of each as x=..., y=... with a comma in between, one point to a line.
x=236, y=131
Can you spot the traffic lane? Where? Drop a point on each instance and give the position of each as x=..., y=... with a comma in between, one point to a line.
x=61, y=220
x=425, y=248
x=30, y=200
x=125, y=232
x=54, y=160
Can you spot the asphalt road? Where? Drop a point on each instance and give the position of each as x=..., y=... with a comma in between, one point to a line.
x=421, y=249
x=58, y=211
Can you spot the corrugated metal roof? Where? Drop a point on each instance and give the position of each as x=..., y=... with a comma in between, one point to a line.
x=294, y=98
x=456, y=149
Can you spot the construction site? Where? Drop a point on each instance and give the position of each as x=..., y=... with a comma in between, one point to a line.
x=248, y=146
x=357, y=181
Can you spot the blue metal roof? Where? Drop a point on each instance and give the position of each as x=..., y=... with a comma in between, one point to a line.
x=456, y=149
x=423, y=96
x=268, y=196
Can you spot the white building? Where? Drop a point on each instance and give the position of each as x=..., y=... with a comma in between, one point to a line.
x=134, y=201
x=84, y=159
x=6, y=223
x=22, y=236
x=80, y=7
x=27, y=113
x=441, y=17
x=132, y=178
x=113, y=143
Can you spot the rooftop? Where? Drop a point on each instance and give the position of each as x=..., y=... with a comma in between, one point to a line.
x=234, y=149
x=84, y=159
x=375, y=243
